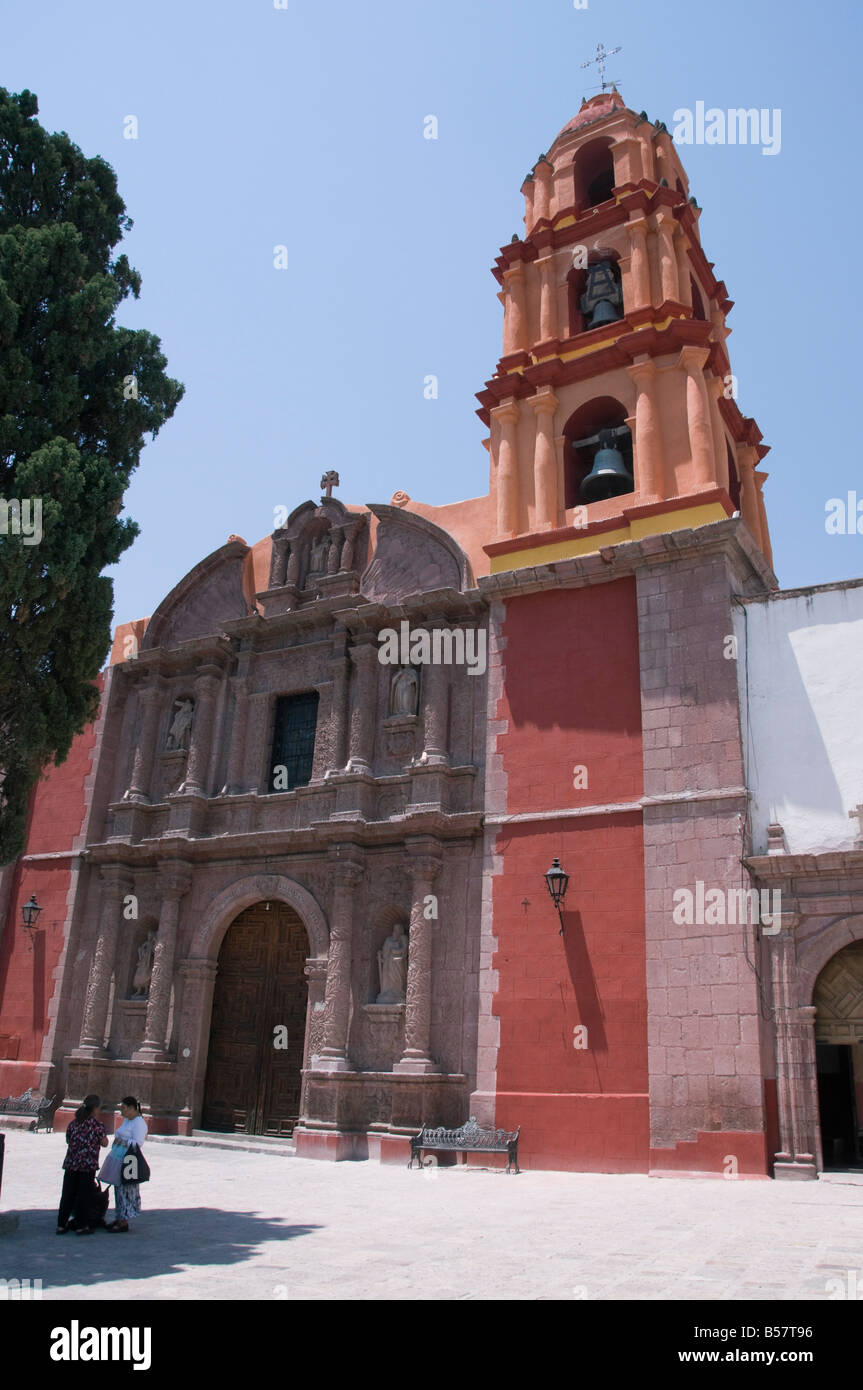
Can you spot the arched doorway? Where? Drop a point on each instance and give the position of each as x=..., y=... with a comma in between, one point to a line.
x=838, y=1000
x=257, y=1031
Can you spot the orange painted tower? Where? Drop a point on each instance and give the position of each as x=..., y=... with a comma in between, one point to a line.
x=614, y=339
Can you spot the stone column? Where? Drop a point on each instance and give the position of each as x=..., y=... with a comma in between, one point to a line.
x=545, y=403
x=236, y=756
x=759, y=479
x=542, y=197
x=198, y=977
x=547, y=304
x=206, y=690
x=506, y=481
x=667, y=257
x=649, y=463
x=797, y=1156
x=150, y=698
x=340, y=668
x=720, y=452
x=363, y=706
x=349, y=547
x=174, y=881
x=691, y=361
x=292, y=573
x=117, y=882
x=415, y=1058
x=278, y=562
x=435, y=710
x=639, y=265
x=346, y=876
x=681, y=251
x=748, y=495
x=515, y=316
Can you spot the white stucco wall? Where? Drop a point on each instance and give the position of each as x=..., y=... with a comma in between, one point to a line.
x=800, y=676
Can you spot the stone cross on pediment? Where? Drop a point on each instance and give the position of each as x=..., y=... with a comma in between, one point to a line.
x=857, y=814
x=329, y=481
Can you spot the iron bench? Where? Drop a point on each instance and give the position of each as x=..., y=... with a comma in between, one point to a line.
x=30, y=1104
x=468, y=1138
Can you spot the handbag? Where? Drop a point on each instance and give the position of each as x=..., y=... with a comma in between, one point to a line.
x=135, y=1166
x=111, y=1171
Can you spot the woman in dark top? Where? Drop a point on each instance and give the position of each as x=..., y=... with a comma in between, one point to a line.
x=85, y=1136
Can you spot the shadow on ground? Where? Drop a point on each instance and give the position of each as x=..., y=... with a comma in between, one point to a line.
x=161, y=1242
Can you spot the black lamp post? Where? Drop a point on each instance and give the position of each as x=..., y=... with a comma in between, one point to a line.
x=557, y=882
x=30, y=911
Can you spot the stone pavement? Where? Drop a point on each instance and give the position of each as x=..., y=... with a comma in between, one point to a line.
x=222, y=1224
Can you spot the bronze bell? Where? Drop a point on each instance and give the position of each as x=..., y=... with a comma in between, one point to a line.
x=602, y=301
x=609, y=476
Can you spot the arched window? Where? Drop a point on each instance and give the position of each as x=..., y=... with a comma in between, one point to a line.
x=595, y=293
x=594, y=174
x=598, y=427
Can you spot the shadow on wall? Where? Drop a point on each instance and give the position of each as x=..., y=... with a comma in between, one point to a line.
x=803, y=735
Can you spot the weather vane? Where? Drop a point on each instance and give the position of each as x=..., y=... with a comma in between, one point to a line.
x=601, y=55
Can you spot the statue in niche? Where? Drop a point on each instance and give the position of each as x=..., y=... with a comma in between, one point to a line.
x=319, y=554
x=393, y=967
x=144, y=969
x=179, y=732
x=404, y=693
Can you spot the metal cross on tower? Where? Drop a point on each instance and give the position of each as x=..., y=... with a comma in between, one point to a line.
x=601, y=55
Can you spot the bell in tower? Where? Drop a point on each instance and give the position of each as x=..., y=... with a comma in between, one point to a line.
x=602, y=301
x=609, y=476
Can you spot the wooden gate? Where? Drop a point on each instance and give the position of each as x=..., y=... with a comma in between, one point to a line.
x=259, y=1005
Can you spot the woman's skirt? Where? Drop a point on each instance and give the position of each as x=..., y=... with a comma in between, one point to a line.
x=127, y=1200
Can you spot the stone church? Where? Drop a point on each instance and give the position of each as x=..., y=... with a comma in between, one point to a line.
x=293, y=880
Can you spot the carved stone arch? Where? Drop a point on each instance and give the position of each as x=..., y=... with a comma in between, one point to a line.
x=412, y=556
x=259, y=888
x=818, y=952
x=210, y=594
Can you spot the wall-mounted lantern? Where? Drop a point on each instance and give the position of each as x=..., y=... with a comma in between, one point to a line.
x=557, y=882
x=30, y=911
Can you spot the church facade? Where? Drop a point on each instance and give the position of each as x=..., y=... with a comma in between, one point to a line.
x=293, y=880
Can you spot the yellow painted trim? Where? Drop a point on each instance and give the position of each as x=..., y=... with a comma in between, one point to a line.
x=564, y=222
x=660, y=523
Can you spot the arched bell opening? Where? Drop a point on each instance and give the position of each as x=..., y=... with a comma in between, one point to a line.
x=838, y=1000
x=595, y=292
x=598, y=453
x=698, y=310
x=593, y=169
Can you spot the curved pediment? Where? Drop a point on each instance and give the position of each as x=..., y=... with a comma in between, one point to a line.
x=209, y=595
x=412, y=556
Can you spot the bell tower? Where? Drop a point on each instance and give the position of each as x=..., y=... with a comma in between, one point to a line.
x=612, y=411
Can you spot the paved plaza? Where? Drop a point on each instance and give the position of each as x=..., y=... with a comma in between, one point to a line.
x=222, y=1223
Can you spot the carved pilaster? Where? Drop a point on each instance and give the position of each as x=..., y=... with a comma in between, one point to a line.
x=648, y=433
x=667, y=257
x=639, y=266
x=346, y=877
x=691, y=361
x=206, y=690
x=117, y=882
x=236, y=755
x=174, y=882
x=435, y=711
x=515, y=316
x=506, y=478
x=363, y=703
x=798, y=1154
x=150, y=698
x=424, y=866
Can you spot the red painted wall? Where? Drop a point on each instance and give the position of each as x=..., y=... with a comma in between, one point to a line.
x=28, y=959
x=571, y=696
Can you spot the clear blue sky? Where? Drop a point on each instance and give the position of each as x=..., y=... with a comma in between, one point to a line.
x=304, y=127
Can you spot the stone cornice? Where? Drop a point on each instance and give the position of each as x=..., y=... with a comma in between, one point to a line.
x=271, y=844
x=828, y=864
x=216, y=650
x=731, y=538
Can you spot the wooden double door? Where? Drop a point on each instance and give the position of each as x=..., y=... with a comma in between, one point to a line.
x=257, y=1033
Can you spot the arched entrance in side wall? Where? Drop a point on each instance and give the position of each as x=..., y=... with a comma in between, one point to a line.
x=257, y=1028
x=838, y=1000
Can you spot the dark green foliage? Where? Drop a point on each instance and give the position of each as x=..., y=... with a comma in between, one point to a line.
x=71, y=433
